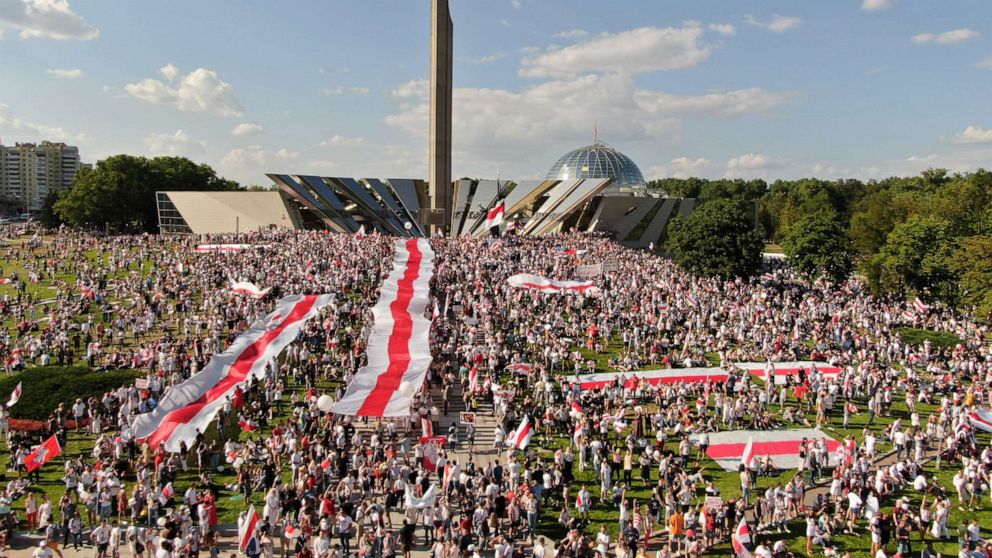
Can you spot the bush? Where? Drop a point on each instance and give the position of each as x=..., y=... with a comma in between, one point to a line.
x=938, y=339
x=45, y=387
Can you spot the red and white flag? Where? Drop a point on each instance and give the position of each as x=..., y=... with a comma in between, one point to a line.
x=426, y=427
x=250, y=289
x=741, y=537
x=576, y=408
x=167, y=493
x=14, y=395
x=692, y=299
x=653, y=377
x=473, y=380
x=247, y=527
x=291, y=532
x=733, y=448
x=246, y=426
x=520, y=437
x=190, y=407
x=436, y=313
x=783, y=370
x=361, y=232
x=545, y=285
x=431, y=446
x=520, y=367
x=4, y=280
x=981, y=418
x=918, y=304
x=222, y=247
x=494, y=217
x=398, y=349
x=42, y=454
x=86, y=291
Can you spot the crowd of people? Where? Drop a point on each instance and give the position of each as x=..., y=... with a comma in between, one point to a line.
x=328, y=486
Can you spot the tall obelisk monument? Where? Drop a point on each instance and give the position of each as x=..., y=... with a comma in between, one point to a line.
x=440, y=136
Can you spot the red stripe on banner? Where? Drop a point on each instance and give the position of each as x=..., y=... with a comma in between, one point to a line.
x=555, y=288
x=399, y=340
x=237, y=373
x=794, y=371
x=784, y=447
x=977, y=418
x=632, y=383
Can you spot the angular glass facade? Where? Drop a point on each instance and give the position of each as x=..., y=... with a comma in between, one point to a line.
x=599, y=161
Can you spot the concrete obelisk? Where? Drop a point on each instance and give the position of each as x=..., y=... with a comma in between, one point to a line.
x=440, y=134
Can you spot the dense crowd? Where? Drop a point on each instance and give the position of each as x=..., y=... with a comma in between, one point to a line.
x=330, y=487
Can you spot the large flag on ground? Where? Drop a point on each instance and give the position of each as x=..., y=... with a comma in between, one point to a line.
x=250, y=289
x=520, y=437
x=14, y=395
x=494, y=217
x=425, y=501
x=398, y=349
x=785, y=369
x=42, y=454
x=247, y=527
x=191, y=406
x=727, y=448
x=222, y=247
x=545, y=285
x=981, y=419
x=653, y=377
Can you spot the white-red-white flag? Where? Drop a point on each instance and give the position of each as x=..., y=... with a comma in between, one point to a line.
x=436, y=313
x=247, y=527
x=248, y=288
x=741, y=537
x=361, y=232
x=920, y=306
x=494, y=217
x=14, y=395
x=521, y=436
x=167, y=493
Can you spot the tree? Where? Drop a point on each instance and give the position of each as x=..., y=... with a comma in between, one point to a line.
x=717, y=238
x=916, y=260
x=49, y=218
x=972, y=262
x=817, y=244
x=119, y=191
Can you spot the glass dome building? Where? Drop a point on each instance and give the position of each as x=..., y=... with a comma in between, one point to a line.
x=600, y=160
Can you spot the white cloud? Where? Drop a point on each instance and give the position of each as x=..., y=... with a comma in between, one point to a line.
x=45, y=19
x=875, y=5
x=973, y=134
x=169, y=72
x=572, y=34
x=338, y=140
x=637, y=51
x=256, y=156
x=726, y=104
x=681, y=167
x=29, y=131
x=777, y=24
x=413, y=88
x=65, y=74
x=517, y=3
x=178, y=143
x=984, y=64
x=247, y=129
x=948, y=37
x=341, y=90
x=753, y=165
x=722, y=28
x=201, y=90
x=485, y=59
x=498, y=121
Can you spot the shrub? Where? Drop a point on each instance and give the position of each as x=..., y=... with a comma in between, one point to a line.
x=45, y=387
x=938, y=339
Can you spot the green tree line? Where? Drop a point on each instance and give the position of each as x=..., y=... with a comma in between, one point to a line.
x=928, y=235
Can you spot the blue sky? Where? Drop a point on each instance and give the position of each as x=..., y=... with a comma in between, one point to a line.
x=771, y=89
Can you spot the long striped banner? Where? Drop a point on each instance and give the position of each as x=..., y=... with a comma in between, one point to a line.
x=398, y=348
x=782, y=446
x=785, y=369
x=191, y=406
x=694, y=375
x=653, y=377
x=545, y=285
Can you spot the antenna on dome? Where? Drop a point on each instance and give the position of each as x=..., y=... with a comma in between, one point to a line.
x=595, y=132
